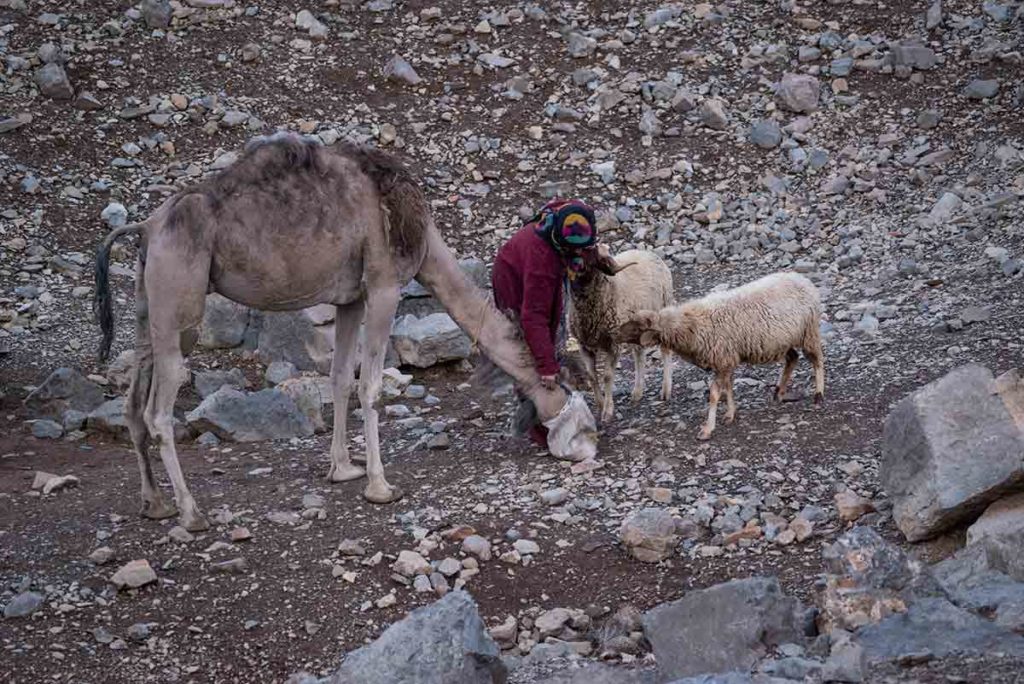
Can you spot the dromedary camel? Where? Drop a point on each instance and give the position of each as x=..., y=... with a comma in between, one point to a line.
x=289, y=225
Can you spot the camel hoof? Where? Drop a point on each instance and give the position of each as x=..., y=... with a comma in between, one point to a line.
x=195, y=521
x=704, y=435
x=637, y=398
x=819, y=399
x=345, y=473
x=158, y=510
x=777, y=395
x=383, y=494
x=729, y=420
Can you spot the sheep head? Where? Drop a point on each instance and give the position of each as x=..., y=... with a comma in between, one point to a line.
x=599, y=258
x=639, y=329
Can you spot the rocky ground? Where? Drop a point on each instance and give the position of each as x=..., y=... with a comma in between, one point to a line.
x=877, y=147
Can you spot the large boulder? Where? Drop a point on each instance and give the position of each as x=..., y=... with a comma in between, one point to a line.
x=208, y=382
x=975, y=585
x=424, y=342
x=936, y=626
x=250, y=417
x=725, y=628
x=310, y=394
x=952, y=448
x=443, y=642
x=303, y=338
x=1000, y=532
x=64, y=389
x=109, y=417
x=418, y=301
x=224, y=323
x=868, y=579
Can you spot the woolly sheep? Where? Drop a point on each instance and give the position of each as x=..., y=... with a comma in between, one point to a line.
x=601, y=302
x=765, y=321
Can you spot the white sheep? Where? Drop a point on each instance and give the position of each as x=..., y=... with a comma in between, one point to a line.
x=762, y=322
x=601, y=302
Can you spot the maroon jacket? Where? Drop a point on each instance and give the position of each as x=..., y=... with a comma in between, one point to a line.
x=527, y=278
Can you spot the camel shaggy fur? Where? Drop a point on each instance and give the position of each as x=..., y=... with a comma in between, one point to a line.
x=762, y=322
x=293, y=224
x=602, y=302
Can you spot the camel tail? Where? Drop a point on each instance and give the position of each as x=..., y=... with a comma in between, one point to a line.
x=102, y=306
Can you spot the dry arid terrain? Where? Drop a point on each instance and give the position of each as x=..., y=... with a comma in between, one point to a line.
x=875, y=146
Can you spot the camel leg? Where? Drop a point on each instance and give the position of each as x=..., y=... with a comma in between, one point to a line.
x=638, y=373
x=610, y=358
x=381, y=304
x=666, y=373
x=177, y=278
x=713, y=396
x=346, y=337
x=787, y=373
x=730, y=403
x=154, y=505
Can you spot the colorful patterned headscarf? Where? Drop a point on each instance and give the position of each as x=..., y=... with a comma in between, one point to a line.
x=570, y=227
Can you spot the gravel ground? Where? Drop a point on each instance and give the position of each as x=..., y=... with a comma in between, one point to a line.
x=898, y=193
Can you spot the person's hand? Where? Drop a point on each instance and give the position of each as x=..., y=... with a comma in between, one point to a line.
x=549, y=381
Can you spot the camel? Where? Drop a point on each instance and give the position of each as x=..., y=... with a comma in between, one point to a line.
x=292, y=224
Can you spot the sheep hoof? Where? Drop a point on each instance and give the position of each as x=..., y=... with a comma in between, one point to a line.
x=729, y=420
x=777, y=395
x=819, y=398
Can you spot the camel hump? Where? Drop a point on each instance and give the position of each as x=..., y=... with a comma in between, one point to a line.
x=408, y=212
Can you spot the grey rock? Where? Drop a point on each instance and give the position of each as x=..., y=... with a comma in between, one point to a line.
x=944, y=210
x=649, y=534
x=841, y=66
x=928, y=119
x=933, y=17
x=846, y=662
x=684, y=101
x=73, y=420
x=936, y=626
x=65, y=388
x=700, y=633
x=580, y=45
x=981, y=89
x=109, y=417
x=1000, y=532
x=933, y=480
x=53, y=82
x=47, y=429
x=443, y=642
x=208, y=382
x=156, y=13
x=133, y=575
x=224, y=323
x=913, y=55
x=310, y=394
x=279, y=371
x=114, y=215
x=867, y=561
x=975, y=583
x=766, y=133
x=399, y=70
x=248, y=417
x=23, y=605
x=424, y=342
x=713, y=114
x=296, y=337
x=733, y=678
x=798, y=93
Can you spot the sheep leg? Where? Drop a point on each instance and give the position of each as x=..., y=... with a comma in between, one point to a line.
x=730, y=403
x=608, y=381
x=666, y=373
x=714, y=395
x=787, y=373
x=590, y=366
x=816, y=357
x=638, y=377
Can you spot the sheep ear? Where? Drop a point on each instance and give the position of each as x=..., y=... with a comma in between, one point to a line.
x=648, y=338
